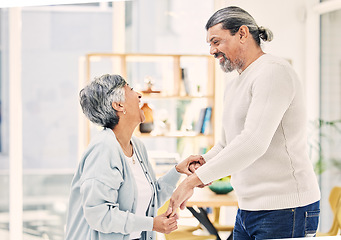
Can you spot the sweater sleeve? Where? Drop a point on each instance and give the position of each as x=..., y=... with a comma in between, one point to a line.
x=272, y=92
x=216, y=148
x=220, y=145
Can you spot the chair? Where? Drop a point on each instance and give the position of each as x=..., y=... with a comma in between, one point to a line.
x=338, y=216
x=184, y=232
x=335, y=204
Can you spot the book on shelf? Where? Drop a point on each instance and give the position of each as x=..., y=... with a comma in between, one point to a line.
x=188, y=118
x=185, y=80
x=207, y=121
x=204, y=120
x=200, y=121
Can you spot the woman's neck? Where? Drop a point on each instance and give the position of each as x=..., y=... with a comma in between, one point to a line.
x=123, y=136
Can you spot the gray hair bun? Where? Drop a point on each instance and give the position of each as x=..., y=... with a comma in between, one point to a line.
x=265, y=34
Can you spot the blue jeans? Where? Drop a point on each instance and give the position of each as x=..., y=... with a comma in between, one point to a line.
x=274, y=224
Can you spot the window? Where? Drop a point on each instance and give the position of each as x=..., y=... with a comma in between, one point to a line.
x=4, y=162
x=330, y=109
x=53, y=41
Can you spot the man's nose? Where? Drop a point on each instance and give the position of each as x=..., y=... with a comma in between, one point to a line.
x=213, y=50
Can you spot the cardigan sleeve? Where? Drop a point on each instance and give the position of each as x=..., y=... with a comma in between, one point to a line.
x=165, y=185
x=102, y=211
x=99, y=189
x=272, y=94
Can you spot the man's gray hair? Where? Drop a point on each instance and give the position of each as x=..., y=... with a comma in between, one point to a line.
x=97, y=97
x=232, y=18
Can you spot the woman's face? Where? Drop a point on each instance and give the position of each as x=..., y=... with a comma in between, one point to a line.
x=132, y=105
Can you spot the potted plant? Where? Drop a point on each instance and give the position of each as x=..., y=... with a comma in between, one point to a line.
x=330, y=133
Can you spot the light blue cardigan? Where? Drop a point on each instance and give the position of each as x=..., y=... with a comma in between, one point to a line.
x=104, y=193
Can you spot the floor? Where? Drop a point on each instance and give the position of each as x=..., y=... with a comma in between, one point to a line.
x=227, y=216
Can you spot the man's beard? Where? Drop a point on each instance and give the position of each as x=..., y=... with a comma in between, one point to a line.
x=227, y=65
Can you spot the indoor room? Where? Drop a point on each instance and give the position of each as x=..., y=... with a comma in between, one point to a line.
x=50, y=51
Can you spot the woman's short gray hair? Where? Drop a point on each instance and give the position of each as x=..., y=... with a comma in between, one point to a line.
x=96, y=99
x=232, y=18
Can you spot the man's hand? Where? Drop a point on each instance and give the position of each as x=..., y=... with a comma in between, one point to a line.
x=190, y=164
x=193, y=166
x=165, y=223
x=183, y=192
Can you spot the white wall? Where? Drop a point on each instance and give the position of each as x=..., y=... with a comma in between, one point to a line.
x=185, y=34
x=287, y=22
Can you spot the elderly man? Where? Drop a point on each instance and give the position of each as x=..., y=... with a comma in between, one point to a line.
x=263, y=144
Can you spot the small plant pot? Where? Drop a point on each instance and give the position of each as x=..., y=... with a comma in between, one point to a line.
x=221, y=187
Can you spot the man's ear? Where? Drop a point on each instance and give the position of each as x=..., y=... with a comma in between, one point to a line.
x=117, y=106
x=243, y=33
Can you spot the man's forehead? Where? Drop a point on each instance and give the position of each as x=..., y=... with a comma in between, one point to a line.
x=214, y=32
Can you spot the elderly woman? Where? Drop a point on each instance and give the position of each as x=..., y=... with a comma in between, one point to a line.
x=114, y=193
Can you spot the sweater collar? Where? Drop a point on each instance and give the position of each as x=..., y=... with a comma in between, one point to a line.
x=253, y=65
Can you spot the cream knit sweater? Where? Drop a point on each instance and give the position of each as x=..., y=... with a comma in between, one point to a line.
x=264, y=142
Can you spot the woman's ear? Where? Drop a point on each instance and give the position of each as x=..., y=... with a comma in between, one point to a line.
x=117, y=106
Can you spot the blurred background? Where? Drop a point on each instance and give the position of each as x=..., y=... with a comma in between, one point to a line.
x=42, y=59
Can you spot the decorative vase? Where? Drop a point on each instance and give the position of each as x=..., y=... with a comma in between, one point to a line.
x=148, y=125
x=221, y=186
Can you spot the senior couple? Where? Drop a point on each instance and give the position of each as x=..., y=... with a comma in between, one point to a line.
x=114, y=192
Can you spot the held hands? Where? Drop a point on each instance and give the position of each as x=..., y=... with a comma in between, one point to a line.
x=182, y=193
x=165, y=223
x=185, y=190
x=190, y=164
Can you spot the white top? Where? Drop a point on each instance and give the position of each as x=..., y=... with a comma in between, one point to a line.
x=144, y=190
x=264, y=141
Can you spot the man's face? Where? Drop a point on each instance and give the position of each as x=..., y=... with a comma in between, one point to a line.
x=225, y=47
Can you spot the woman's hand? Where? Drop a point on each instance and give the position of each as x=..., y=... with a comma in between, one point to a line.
x=165, y=224
x=182, y=193
x=190, y=164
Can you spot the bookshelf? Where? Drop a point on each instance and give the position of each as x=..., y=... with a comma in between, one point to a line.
x=182, y=85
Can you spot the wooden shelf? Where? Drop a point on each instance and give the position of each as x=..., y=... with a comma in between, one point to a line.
x=176, y=134
x=170, y=81
x=160, y=95
x=145, y=55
